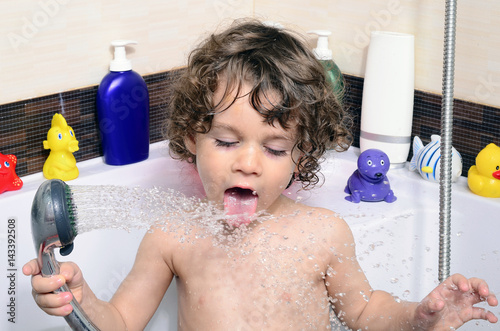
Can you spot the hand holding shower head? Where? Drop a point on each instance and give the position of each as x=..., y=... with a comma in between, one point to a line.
x=53, y=226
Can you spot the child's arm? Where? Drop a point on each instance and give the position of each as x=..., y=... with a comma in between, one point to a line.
x=449, y=305
x=132, y=306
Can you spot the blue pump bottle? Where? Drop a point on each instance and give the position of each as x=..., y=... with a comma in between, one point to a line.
x=123, y=111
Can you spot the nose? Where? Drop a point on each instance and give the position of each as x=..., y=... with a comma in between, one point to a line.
x=248, y=161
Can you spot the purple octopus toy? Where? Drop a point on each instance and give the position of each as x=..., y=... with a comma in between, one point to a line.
x=369, y=182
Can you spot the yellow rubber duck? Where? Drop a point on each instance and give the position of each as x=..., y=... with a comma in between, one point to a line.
x=484, y=177
x=61, y=141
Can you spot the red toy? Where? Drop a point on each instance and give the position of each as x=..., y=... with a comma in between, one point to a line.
x=9, y=181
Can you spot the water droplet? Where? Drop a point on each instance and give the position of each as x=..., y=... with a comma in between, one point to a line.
x=330, y=272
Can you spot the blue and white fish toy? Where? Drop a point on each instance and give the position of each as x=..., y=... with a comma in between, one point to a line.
x=426, y=159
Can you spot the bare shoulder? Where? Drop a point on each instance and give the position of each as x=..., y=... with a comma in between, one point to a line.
x=154, y=245
x=159, y=245
x=324, y=221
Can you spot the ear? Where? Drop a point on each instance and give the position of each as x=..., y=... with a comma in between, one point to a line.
x=190, y=142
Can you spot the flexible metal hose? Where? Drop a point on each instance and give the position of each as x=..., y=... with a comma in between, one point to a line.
x=446, y=141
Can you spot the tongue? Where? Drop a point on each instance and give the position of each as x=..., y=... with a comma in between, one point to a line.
x=240, y=202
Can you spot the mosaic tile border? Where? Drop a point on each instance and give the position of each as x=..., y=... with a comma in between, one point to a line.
x=474, y=125
x=25, y=123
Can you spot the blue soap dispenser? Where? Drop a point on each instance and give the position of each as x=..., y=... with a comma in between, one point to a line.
x=123, y=111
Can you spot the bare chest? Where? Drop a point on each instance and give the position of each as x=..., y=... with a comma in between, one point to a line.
x=267, y=281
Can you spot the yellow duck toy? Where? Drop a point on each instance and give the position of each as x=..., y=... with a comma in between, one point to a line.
x=61, y=141
x=484, y=177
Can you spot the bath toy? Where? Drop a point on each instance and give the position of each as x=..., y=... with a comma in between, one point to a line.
x=9, y=181
x=369, y=182
x=61, y=141
x=426, y=159
x=484, y=177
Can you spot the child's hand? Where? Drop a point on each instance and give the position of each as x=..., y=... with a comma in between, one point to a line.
x=55, y=303
x=451, y=304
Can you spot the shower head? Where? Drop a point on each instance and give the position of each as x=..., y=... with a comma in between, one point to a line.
x=53, y=221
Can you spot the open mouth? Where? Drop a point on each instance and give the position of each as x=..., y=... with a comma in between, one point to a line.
x=240, y=203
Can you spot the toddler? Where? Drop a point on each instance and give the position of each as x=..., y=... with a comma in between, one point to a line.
x=253, y=112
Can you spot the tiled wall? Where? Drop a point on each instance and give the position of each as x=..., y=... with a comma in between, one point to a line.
x=474, y=125
x=62, y=45
x=49, y=46
x=25, y=123
x=477, y=70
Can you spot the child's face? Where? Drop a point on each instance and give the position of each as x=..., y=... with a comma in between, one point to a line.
x=243, y=162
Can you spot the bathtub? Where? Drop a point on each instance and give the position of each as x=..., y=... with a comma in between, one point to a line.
x=397, y=244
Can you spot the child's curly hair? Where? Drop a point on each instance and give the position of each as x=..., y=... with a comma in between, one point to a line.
x=274, y=62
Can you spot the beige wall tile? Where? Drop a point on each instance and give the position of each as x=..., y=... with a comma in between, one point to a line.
x=50, y=46
x=58, y=45
x=477, y=73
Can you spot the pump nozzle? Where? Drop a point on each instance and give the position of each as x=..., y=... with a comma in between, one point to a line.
x=322, y=51
x=120, y=62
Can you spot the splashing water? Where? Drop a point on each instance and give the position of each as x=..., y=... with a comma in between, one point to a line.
x=121, y=207
x=127, y=208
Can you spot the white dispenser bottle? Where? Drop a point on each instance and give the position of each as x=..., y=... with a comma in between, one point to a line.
x=387, y=106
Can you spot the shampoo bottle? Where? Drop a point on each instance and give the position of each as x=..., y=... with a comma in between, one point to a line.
x=123, y=111
x=324, y=55
x=388, y=93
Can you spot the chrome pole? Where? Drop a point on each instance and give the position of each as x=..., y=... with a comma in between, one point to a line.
x=446, y=141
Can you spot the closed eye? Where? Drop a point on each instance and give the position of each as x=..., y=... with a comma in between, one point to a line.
x=227, y=144
x=222, y=143
x=276, y=152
